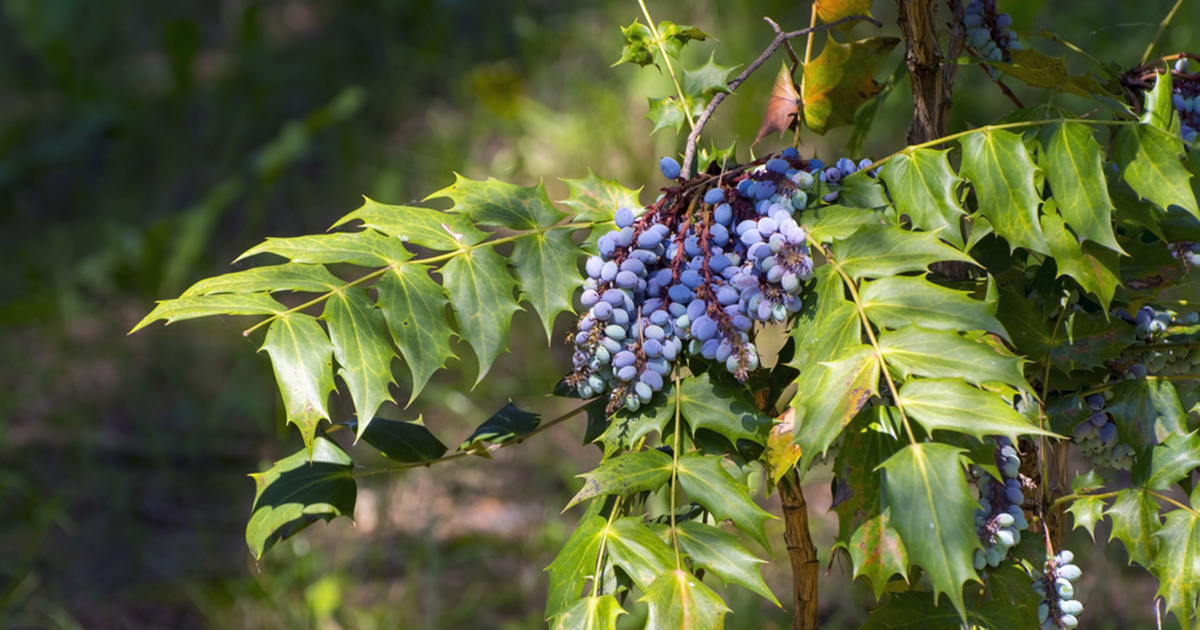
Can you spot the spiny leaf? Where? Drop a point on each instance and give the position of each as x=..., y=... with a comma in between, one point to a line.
x=634, y=548
x=676, y=36
x=918, y=611
x=828, y=325
x=1177, y=566
x=1002, y=172
x=782, y=106
x=834, y=10
x=708, y=483
x=595, y=199
x=501, y=204
x=932, y=509
x=841, y=79
x=415, y=309
x=1159, y=110
x=707, y=405
x=590, y=613
x=949, y=404
x=436, y=230
x=1147, y=412
x=546, y=264
x=1094, y=268
x=308, y=486
x=1091, y=481
x=574, y=564
x=366, y=248
x=1149, y=162
x=827, y=402
x=399, y=441
x=830, y=224
x=720, y=552
x=303, y=361
x=209, y=305
x=878, y=552
x=1087, y=512
x=924, y=187
x=1135, y=522
x=289, y=277
x=860, y=190
x=1085, y=341
x=639, y=45
x=1073, y=161
x=670, y=111
x=627, y=427
x=625, y=475
x=876, y=253
x=481, y=290
x=942, y=353
x=705, y=81
x=902, y=300
x=506, y=425
x=678, y=600
x=1168, y=462
x=362, y=350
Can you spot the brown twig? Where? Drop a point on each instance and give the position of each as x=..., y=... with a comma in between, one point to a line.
x=801, y=551
x=780, y=38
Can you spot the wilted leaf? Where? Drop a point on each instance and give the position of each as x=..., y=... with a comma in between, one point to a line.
x=834, y=10
x=782, y=106
x=841, y=79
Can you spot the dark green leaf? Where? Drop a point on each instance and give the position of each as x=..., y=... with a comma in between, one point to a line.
x=876, y=253
x=404, y=442
x=303, y=360
x=1149, y=161
x=1002, y=172
x=366, y=248
x=481, y=290
x=720, y=552
x=1094, y=268
x=678, y=600
x=1168, y=462
x=902, y=300
x=924, y=187
x=952, y=405
x=917, y=611
x=574, y=564
x=638, y=551
x=1074, y=165
x=825, y=404
x=1147, y=412
x=628, y=427
x=707, y=405
x=1087, y=512
x=415, y=309
x=590, y=613
x=437, y=230
x=828, y=224
x=595, y=199
x=298, y=491
x=209, y=305
x=1177, y=567
x=860, y=190
x=1135, y=522
x=501, y=204
x=506, y=425
x=288, y=277
x=1042, y=71
x=708, y=483
x=362, y=350
x=625, y=475
x=942, y=353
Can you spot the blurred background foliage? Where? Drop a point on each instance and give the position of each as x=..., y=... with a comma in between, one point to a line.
x=145, y=144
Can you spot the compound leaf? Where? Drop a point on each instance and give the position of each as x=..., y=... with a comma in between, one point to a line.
x=574, y=564
x=209, y=305
x=678, y=600
x=636, y=549
x=414, y=307
x=303, y=361
x=1177, y=566
x=1087, y=512
x=362, y=350
x=593, y=198
x=1002, y=172
x=1163, y=465
x=827, y=403
x=399, y=441
x=506, y=425
x=481, y=290
x=1094, y=268
x=501, y=204
x=1149, y=162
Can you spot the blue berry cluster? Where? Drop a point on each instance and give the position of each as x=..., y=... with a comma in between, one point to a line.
x=999, y=519
x=1097, y=436
x=1058, y=609
x=988, y=35
x=693, y=275
x=1187, y=100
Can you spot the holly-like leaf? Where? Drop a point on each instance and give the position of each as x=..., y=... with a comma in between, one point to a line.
x=825, y=405
x=876, y=253
x=1091, y=481
x=933, y=510
x=670, y=111
x=1149, y=162
x=1085, y=340
x=574, y=564
x=707, y=405
x=627, y=427
x=1168, y=462
x=1159, y=110
x=925, y=187
x=289, y=277
x=436, y=230
x=861, y=190
x=399, y=441
x=1147, y=412
x=720, y=552
x=501, y=204
x=878, y=552
x=481, y=290
x=834, y=10
x=590, y=613
x=708, y=483
x=506, y=425
x=1002, y=172
x=1087, y=512
x=1073, y=162
x=209, y=305
x=593, y=198
x=414, y=307
x=365, y=248
x=299, y=490
x=678, y=600
x=639, y=45
x=546, y=263
x=1135, y=522
x=638, y=551
x=362, y=350
x=702, y=83
x=949, y=404
x=303, y=361
x=828, y=324
x=918, y=611
x=942, y=353
x=828, y=224
x=841, y=79
x=1094, y=268
x=625, y=475
x=903, y=300
x=1177, y=566
x=676, y=36
x=782, y=106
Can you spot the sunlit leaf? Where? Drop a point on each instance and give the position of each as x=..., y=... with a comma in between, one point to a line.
x=952, y=405
x=834, y=10
x=498, y=203
x=702, y=82
x=366, y=248
x=625, y=475
x=1073, y=161
x=1042, y=71
x=942, y=353
x=1135, y=522
x=639, y=45
x=574, y=564
x=414, y=307
x=481, y=290
x=1087, y=512
x=1002, y=172
x=1149, y=162
x=782, y=106
x=841, y=79
x=590, y=613
x=1093, y=267
x=670, y=111
x=708, y=483
x=678, y=600
x=545, y=263
x=271, y=278
x=676, y=36
x=707, y=405
x=903, y=300
x=877, y=552
x=924, y=187
x=436, y=230
x=593, y=198
x=209, y=305
x=720, y=552
x=362, y=350
x=302, y=357
x=876, y=253
x=638, y=551
x=825, y=405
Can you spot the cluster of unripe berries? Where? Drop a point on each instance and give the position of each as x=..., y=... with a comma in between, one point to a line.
x=1097, y=436
x=987, y=33
x=999, y=518
x=1058, y=609
x=1187, y=101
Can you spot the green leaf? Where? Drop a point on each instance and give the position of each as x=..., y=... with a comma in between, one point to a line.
x=404, y=442
x=952, y=405
x=1087, y=512
x=917, y=611
x=590, y=613
x=506, y=425
x=678, y=600
x=636, y=549
x=860, y=190
x=676, y=36
x=876, y=253
x=878, y=552
x=1135, y=522
x=1168, y=462
x=362, y=350
x=434, y=229
x=481, y=290
x=924, y=187
x=670, y=111
x=595, y=199
x=720, y=552
x=639, y=45
x=825, y=404
x=1073, y=161
x=1094, y=268
x=303, y=361
x=627, y=427
x=574, y=564
x=841, y=79
x=546, y=263
x=834, y=10
x=1002, y=172
x=1147, y=412
x=707, y=405
x=289, y=277
x=705, y=81
x=942, y=353
x=828, y=224
x=933, y=511
x=1042, y=71
x=501, y=204
x=1149, y=162
x=1160, y=109
x=625, y=475
x=299, y=490
x=366, y=248
x=902, y=300
x=1091, y=481
x=1177, y=566
x=414, y=307
x=209, y=305
x=1085, y=340
x=708, y=483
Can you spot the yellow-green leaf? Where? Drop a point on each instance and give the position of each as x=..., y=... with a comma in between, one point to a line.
x=877, y=253
x=209, y=305
x=1073, y=161
x=1135, y=522
x=415, y=309
x=590, y=613
x=365, y=248
x=708, y=483
x=899, y=301
x=362, y=349
x=924, y=187
x=437, y=230
x=952, y=405
x=302, y=357
x=501, y=204
x=678, y=600
x=943, y=353
x=1002, y=172
x=481, y=291
x=546, y=265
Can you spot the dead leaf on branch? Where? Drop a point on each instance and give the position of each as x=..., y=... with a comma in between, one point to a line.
x=782, y=108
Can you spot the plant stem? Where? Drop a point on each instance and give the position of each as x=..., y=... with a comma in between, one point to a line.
x=1162, y=28
x=801, y=552
x=687, y=109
